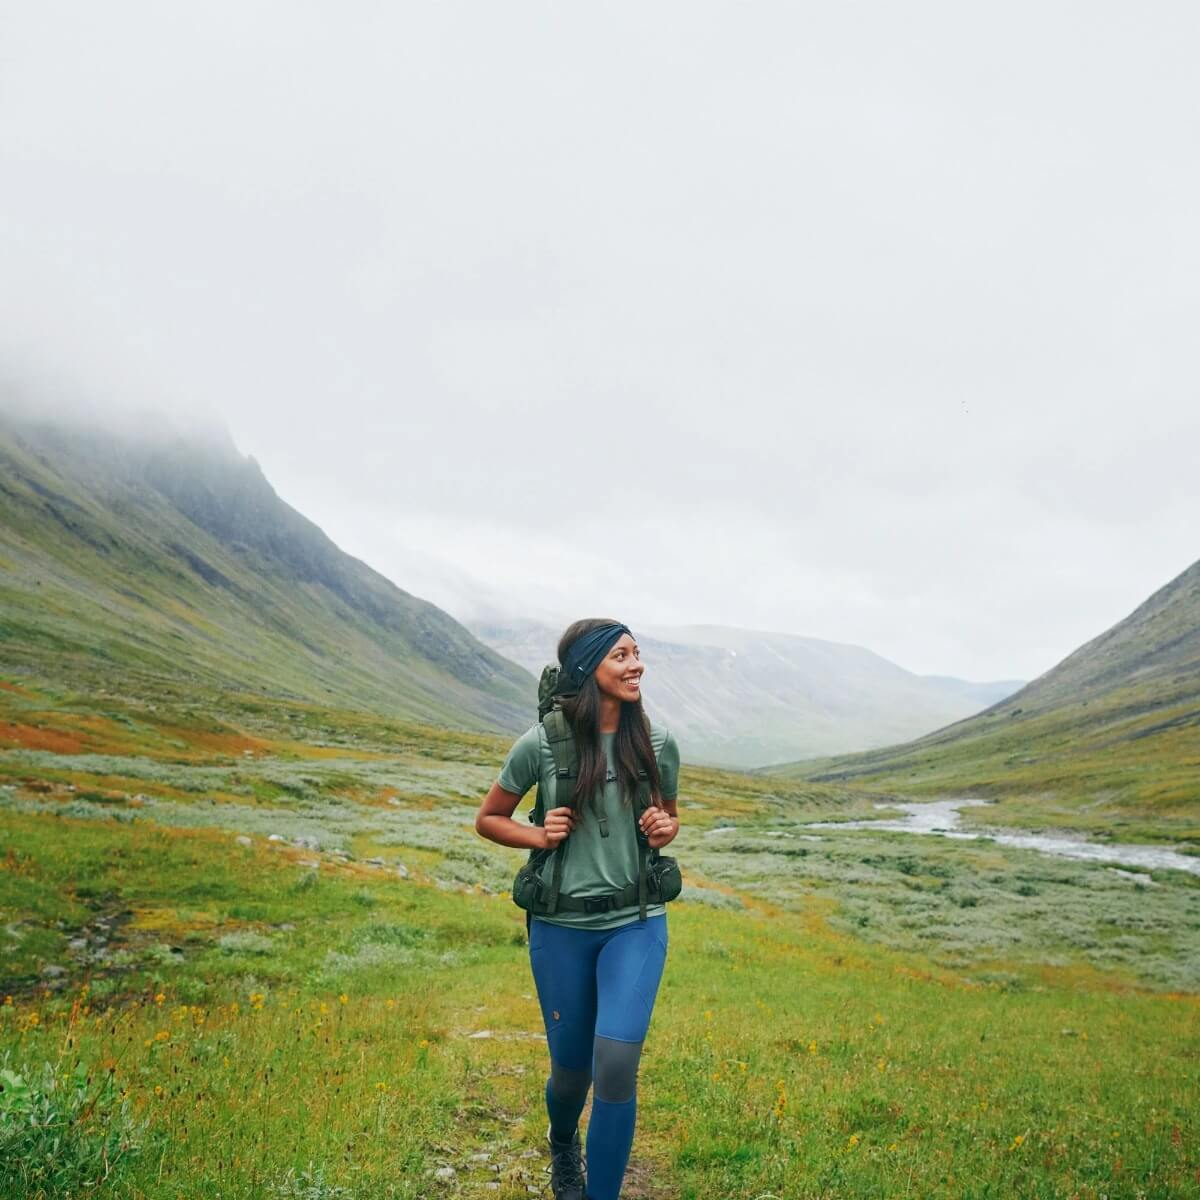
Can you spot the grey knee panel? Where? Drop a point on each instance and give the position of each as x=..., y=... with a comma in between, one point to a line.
x=616, y=1067
x=568, y=1084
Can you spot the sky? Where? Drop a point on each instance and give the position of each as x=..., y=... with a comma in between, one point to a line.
x=867, y=322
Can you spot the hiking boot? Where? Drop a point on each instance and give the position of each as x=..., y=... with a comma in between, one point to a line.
x=566, y=1168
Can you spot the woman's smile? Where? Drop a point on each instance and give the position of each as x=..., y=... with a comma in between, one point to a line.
x=620, y=672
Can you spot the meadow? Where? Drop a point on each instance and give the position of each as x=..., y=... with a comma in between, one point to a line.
x=254, y=948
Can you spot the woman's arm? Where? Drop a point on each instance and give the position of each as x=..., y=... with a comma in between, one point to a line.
x=494, y=822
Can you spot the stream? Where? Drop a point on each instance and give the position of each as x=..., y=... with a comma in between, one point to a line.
x=941, y=817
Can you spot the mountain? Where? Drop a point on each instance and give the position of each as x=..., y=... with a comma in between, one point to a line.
x=742, y=698
x=154, y=559
x=1118, y=720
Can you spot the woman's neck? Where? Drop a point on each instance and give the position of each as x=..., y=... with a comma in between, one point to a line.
x=610, y=714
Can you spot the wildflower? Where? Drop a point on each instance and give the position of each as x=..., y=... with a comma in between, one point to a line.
x=881, y=1065
x=159, y=998
x=716, y=1077
x=158, y=1091
x=343, y=998
x=162, y=1035
x=389, y=1003
x=893, y=1146
x=324, y=1008
x=233, y=1008
x=852, y=1142
x=1017, y=1141
x=708, y=1014
x=381, y=1087
x=812, y=1047
x=8, y=1001
x=423, y=1043
x=33, y=1019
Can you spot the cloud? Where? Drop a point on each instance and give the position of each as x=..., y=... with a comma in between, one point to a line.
x=865, y=322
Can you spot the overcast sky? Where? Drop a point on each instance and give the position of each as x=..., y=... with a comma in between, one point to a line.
x=871, y=322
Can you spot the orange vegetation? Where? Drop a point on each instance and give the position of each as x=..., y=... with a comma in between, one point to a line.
x=224, y=741
x=31, y=737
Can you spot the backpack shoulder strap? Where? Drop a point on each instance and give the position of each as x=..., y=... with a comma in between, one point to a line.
x=562, y=744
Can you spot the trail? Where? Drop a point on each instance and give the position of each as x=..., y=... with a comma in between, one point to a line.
x=492, y=1154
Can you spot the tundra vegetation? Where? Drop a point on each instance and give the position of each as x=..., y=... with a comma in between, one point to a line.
x=254, y=948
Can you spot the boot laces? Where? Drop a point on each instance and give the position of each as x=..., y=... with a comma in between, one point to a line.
x=566, y=1165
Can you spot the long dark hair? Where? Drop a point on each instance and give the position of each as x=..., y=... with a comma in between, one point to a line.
x=632, y=744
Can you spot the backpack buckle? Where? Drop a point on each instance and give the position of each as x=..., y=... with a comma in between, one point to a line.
x=596, y=904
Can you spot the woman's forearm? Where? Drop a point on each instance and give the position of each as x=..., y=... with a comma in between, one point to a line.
x=507, y=832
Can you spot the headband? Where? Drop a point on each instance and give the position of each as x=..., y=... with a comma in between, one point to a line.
x=585, y=654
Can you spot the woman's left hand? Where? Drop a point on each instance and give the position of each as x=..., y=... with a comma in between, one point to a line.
x=658, y=826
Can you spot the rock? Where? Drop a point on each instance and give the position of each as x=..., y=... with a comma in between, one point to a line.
x=77, y=944
x=374, y=862
x=53, y=971
x=275, y=837
x=445, y=1173
x=311, y=863
x=402, y=870
x=306, y=842
x=243, y=840
x=483, y=1033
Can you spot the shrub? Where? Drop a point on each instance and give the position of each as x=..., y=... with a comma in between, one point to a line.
x=62, y=1133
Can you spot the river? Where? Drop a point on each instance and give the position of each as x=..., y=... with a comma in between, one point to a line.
x=941, y=817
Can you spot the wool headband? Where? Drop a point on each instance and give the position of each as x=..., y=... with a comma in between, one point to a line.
x=585, y=654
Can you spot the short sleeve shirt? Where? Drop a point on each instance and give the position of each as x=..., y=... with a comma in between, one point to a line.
x=594, y=865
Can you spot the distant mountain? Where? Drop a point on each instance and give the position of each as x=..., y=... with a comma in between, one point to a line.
x=741, y=698
x=145, y=555
x=1119, y=719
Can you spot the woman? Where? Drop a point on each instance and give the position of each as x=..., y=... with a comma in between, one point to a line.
x=597, y=972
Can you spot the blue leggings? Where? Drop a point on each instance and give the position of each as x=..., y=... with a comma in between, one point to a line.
x=596, y=988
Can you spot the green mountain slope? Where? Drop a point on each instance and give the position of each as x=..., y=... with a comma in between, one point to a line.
x=1115, y=725
x=148, y=561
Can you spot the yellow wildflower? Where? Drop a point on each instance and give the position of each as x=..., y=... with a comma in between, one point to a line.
x=160, y=997
x=852, y=1142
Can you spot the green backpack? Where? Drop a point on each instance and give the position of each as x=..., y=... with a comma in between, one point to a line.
x=658, y=878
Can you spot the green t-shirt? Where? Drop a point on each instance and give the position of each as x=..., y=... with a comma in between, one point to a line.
x=594, y=865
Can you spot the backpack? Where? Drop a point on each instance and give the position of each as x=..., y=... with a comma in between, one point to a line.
x=658, y=879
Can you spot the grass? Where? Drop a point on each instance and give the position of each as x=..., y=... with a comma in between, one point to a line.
x=347, y=1010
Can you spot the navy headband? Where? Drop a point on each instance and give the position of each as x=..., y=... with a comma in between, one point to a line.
x=585, y=654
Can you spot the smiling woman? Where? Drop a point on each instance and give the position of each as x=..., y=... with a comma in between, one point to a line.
x=598, y=950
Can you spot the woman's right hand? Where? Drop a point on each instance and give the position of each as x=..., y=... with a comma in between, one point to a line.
x=556, y=826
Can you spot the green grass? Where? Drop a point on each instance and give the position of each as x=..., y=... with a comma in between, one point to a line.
x=867, y=1015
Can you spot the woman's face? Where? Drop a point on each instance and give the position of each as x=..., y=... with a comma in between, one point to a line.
x=619, y=673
